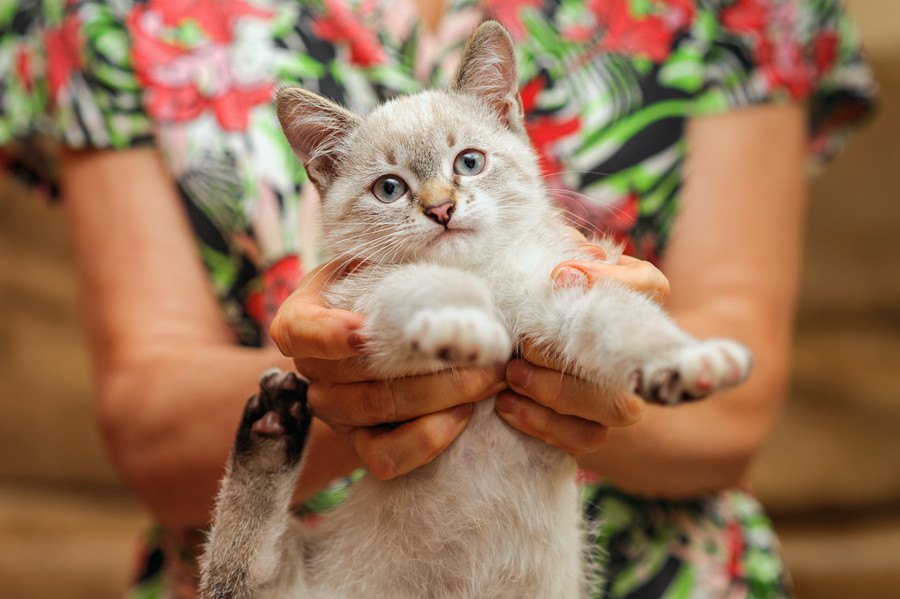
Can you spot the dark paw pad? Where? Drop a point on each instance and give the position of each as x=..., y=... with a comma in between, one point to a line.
x=665, y=386
x=277, y=418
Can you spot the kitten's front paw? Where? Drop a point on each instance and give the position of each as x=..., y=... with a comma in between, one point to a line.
x=276, y=420
x=465, y=336
x=693, y=372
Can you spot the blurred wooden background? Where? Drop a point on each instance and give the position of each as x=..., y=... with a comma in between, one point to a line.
x=830, y=474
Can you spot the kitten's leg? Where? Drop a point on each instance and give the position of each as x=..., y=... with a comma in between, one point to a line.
x=248, y=552
x=622, y=339
x=426, y=316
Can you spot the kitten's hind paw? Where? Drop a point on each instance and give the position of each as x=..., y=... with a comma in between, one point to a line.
x=464, y=336
x=693, y=372
x=276, y=421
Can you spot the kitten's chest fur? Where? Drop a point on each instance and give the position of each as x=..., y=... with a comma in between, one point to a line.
x=497, y=513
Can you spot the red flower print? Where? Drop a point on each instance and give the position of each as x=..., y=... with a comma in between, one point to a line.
x=181, y=83
x=619, y=219
x=776, y=50
x=746, y=16
x=781, y=62
x=545, y=131
x=578, y=33
x=591, y=218
x=508, y=12
x=213, y=17
x=24, y=68
x=586, y=477
x=64, y=46
x=648, y=35
x=679, y=14
x=825, y=49
x=624, y=216
x=340, y=25
x=646, y=247
x=275, y=284
x=735, y=540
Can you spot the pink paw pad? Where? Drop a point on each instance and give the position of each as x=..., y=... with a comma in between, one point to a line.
x=704, y=382
x=269, y=424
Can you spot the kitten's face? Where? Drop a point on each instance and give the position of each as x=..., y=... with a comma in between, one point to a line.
x=440, y=176
x=435, y=176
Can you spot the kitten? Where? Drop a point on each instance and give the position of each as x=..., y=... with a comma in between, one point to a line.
x=440, y=194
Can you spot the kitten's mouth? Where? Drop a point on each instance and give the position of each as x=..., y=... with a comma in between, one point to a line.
x=451, y=233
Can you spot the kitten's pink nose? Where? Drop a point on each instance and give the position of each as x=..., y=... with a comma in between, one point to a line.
x=441, y=214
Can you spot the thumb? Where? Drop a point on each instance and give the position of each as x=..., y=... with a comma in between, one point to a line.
x=305, y=327
x=637, y=275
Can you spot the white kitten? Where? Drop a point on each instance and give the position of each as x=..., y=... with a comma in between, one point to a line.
x=440, y=194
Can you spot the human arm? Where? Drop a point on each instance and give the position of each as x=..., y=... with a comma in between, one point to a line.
x=733, y=264
x=171, y=380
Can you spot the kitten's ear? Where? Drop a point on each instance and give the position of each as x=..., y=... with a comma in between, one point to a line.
x=487, y=70
x=315, y=128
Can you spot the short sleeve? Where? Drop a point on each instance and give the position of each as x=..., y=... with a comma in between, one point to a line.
x=765, y=51
x=66, y=76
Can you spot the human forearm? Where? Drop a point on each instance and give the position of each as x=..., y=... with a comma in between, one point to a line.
x=734, y=265
x=172, y=382
x=678, y=452
x=169, y=417
x=705, y=446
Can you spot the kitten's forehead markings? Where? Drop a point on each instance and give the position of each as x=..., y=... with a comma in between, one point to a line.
x=390, y=157
x=425, y=163
x=451, y=140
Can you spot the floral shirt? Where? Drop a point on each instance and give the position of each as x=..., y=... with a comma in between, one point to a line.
x=607, y=87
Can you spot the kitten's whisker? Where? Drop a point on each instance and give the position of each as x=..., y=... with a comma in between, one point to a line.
x=573, y=171
x=558, y=192
x=372, y=246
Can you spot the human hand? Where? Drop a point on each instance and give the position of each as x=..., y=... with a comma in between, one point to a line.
x=326, y=344
x=546, y=402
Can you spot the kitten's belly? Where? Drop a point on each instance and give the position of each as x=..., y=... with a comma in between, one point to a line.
x=495, y=515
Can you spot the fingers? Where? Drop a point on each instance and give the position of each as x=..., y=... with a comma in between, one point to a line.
x=391, y=453
x=349, y=370
x=639, y=275
x=371, y=403
x=535, y=355
x=569, y=433
x=305, y=328
x=571, y=396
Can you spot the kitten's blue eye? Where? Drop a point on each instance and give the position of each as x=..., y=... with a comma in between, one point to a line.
x=469, y=162
x=389, y=188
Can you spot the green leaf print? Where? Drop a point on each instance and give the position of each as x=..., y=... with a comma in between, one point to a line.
x=683, y=70
x=297, y=67
x=683, y=585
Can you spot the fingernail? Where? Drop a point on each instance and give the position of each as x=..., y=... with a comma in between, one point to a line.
x=357, y=341
x=462, y=411
x=519, y=373
x=570, y=277
x=593, y=249
x=506, y=403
